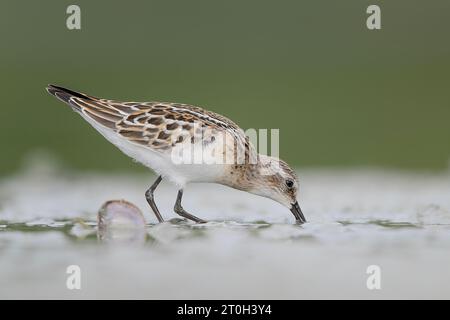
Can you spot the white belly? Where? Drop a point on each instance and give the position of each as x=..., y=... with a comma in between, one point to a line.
x=161, y=163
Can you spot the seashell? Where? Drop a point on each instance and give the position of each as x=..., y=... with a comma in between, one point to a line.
x=120, y=220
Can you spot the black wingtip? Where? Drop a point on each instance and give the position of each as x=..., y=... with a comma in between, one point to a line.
x=65, y=94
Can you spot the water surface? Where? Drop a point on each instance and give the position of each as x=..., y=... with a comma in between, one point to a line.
x=250, y=247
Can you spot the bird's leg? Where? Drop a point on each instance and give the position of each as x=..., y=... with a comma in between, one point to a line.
x=180, y=211
x=151, y=200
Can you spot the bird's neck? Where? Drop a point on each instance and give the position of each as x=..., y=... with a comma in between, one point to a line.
x=241, y=177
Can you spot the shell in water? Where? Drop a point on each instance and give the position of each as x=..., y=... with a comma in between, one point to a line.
x=120, y=220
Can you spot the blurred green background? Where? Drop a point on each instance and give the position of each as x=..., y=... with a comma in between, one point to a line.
x=342, y=95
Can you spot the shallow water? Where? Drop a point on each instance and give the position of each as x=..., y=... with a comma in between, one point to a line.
x=250, y=247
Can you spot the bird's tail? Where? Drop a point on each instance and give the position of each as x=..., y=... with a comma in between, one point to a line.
x=65, y=95
x=105, y=112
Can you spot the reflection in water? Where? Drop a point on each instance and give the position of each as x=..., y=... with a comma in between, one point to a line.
x=121, y=221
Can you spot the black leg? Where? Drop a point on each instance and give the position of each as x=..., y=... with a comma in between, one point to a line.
x=180, y=211
x=151, y=200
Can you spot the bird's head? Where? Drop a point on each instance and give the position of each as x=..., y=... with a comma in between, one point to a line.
x=273, y=178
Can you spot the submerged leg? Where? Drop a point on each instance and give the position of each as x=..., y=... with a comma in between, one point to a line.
x=180, y=211
x=151, y=200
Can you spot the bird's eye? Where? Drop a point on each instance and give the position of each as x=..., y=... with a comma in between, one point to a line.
x=289, y=183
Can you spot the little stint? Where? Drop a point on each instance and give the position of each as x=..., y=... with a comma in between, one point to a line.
x=158, y=134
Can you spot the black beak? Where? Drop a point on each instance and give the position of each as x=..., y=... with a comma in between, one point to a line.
x=298, y=214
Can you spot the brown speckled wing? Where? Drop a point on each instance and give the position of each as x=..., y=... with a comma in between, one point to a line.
x=157, y=125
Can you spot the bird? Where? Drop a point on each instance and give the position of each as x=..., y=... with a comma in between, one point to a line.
x=186, y=144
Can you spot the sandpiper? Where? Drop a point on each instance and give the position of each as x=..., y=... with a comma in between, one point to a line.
x=152, y=133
